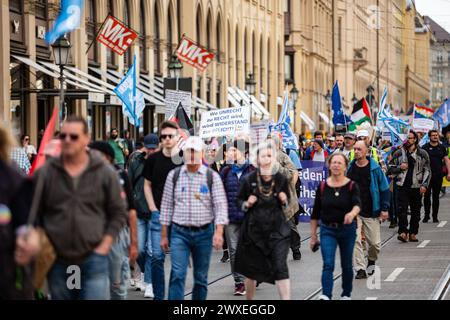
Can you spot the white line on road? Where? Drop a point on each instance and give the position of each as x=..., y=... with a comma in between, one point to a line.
x=394, y=275
x=424, y=244
x=371, y=298
x=442, y=224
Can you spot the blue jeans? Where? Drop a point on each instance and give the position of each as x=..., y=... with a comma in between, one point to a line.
x=93, y=279
x=157, y=259
x=145, y=248
x=119, y=266
x=183, y=243
x=330, y=238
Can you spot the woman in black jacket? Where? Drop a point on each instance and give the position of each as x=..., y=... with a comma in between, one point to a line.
x=263, y=246
x=18, y=243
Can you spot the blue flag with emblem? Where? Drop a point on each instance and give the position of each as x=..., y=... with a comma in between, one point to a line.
x=442, y=115
x=132, y=99
x=283, y=126
x=68, y=20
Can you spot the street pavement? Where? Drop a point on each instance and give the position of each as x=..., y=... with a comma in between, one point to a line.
x=407, y=271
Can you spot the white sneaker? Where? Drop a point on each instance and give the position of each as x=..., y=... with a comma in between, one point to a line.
x=346, y=298
x=149, y=291
x=323, y=297
x=140, y=285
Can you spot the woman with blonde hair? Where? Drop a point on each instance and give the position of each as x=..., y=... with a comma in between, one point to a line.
x=263, y=245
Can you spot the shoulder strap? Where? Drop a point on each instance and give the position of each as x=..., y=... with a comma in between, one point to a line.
x=226, y=171
x=350, y=187
x=175, y=177
x=210, y=179
x=322, y=188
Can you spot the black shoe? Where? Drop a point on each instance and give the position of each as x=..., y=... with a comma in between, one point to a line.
x=435, y=220
x=258, y=283
x=296, y=255
x=225, y=257
x=361, y=274
x=371, y=268
x=426, y=219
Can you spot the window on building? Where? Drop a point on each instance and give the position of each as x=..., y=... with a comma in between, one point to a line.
x=156, y=41
x=41, y=7
x=199, y=87
x=218, y=39
x=208, y=32
x=142, y=39
x=110, y=56
x=288, y=68
x=127, y=57
x=91, y=29
x=16, y=6
x=339, y=25
x=218, y=93
x=439, y=75
x=169, y=35
x=208, y=90
x=287, y=6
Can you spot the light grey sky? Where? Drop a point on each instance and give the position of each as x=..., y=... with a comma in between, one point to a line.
x=438, y=10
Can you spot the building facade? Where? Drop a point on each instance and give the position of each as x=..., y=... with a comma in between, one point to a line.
x=388, y=51
x=440, y=64
x=245, y=35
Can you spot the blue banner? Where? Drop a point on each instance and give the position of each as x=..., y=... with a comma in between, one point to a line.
x=442, y=115
x=339, y=117
x=68, y=20
x=283, y=126
x=311, y=176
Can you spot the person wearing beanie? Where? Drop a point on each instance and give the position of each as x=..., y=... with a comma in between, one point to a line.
x=124, y=250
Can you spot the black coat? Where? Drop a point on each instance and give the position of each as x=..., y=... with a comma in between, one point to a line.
x=265, y=233
x=15, y=202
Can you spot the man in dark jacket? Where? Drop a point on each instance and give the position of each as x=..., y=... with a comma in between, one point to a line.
x=82, y=209
x=232, y=175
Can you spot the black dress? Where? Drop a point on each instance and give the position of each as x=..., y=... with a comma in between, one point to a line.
x=264, y=241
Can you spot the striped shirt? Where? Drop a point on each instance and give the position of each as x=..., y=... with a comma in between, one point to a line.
x=193, y=204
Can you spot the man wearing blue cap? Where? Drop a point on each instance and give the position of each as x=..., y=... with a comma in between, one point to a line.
x=136, y=173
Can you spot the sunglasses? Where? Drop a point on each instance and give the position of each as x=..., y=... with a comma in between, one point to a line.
x=165, y=136
x=73, y=137
x=361, y=138
x=27, y=139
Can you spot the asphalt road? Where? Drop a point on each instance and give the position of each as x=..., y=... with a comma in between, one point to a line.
x=407, y=271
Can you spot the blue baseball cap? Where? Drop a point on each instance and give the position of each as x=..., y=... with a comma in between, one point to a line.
x=151, y=141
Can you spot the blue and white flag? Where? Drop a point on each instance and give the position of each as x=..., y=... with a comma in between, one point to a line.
x=290, y=140
x=68, y=20
x=132, y=98
x=442, y=115
x=339, y=117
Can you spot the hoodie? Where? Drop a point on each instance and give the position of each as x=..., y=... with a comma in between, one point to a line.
x=77, y=219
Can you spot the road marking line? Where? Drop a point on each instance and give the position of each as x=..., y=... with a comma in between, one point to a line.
x=442, y=224
x=371, y=298
x=424, y=244
x=394, y=275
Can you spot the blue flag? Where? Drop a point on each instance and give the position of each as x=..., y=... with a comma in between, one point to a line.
x=132, y=98
x=283, y=126
x=339, y=117
x=68, y=20
x=442, y=115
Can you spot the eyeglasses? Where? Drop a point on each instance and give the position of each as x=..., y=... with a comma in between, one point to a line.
x=165, y=136
x=73, y=137
x=411, y=138
x=27, y=139
x=361, y=138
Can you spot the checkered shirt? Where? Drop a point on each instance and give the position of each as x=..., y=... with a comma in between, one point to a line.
x=21, y=159
x=193, y=204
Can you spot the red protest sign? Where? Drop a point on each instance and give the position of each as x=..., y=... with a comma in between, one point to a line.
x=190, y=52
x=116, y=36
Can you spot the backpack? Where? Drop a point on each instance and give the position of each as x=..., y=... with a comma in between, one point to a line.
x=209, y=178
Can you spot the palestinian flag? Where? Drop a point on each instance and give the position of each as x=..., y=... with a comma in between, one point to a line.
x=185, y=124
x=361, y=114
